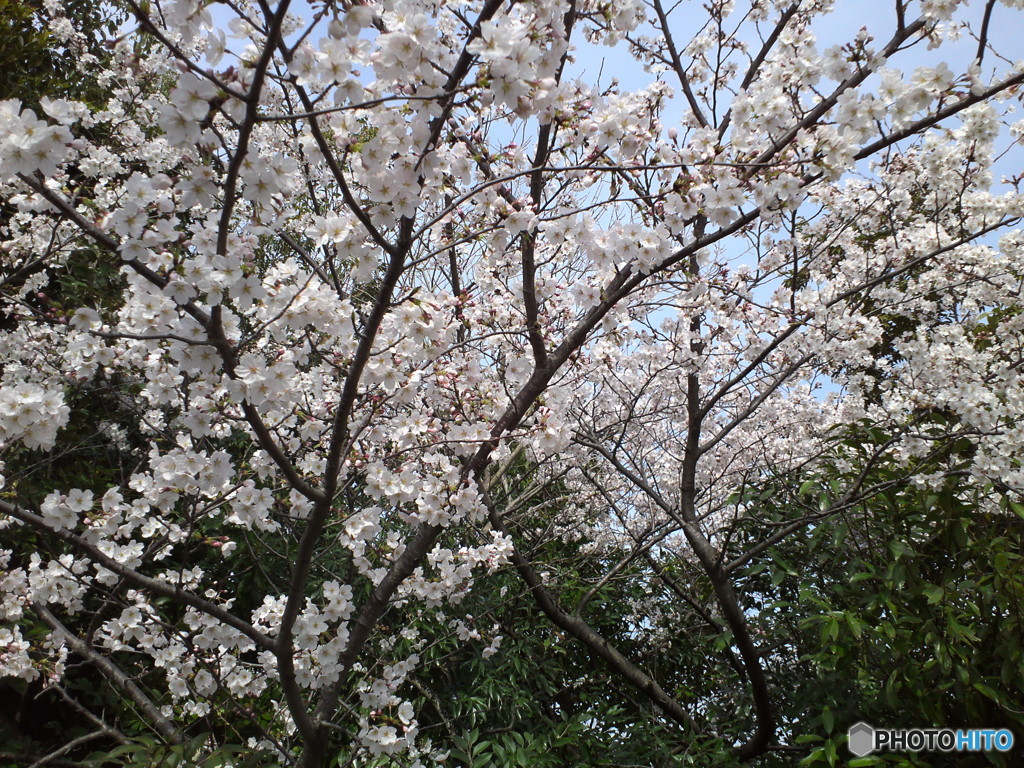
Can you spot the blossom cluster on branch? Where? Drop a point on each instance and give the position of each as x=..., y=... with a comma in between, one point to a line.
x=370, y=259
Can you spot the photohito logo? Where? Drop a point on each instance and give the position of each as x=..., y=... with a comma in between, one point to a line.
x=863, y=739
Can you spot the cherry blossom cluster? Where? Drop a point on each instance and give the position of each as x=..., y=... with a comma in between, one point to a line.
x=400, y=285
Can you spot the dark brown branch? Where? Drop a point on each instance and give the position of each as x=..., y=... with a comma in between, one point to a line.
x=529, y=239
x=455, y=77
x=150, y=28
x=139, y=580
x=759, y=59
x=927, y=122
x=822, y=108
x=710, y=560
x=677, y=65
x=115, y=675
x=586, y=634
x=983, y=35
x=214, y=332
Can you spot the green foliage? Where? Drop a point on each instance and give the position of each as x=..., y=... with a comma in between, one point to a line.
x=145, y=752
x=903, y=612
x=36, y=64
x=541, y=699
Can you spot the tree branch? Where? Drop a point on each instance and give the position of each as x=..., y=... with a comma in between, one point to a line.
x=115, y=675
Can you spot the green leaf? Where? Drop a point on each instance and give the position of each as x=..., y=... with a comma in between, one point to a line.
x=1001, y=563
x=808, y=738
x=989, y=692
x=830, y=752
x=827, y=720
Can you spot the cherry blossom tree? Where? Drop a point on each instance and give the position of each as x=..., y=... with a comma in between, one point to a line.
x=399, y=294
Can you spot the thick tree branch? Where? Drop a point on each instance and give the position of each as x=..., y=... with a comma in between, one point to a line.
x=167, y=730
x=586, y=635
x=139, y=580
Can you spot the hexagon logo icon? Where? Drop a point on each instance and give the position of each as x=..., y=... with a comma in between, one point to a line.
x=861, y=739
